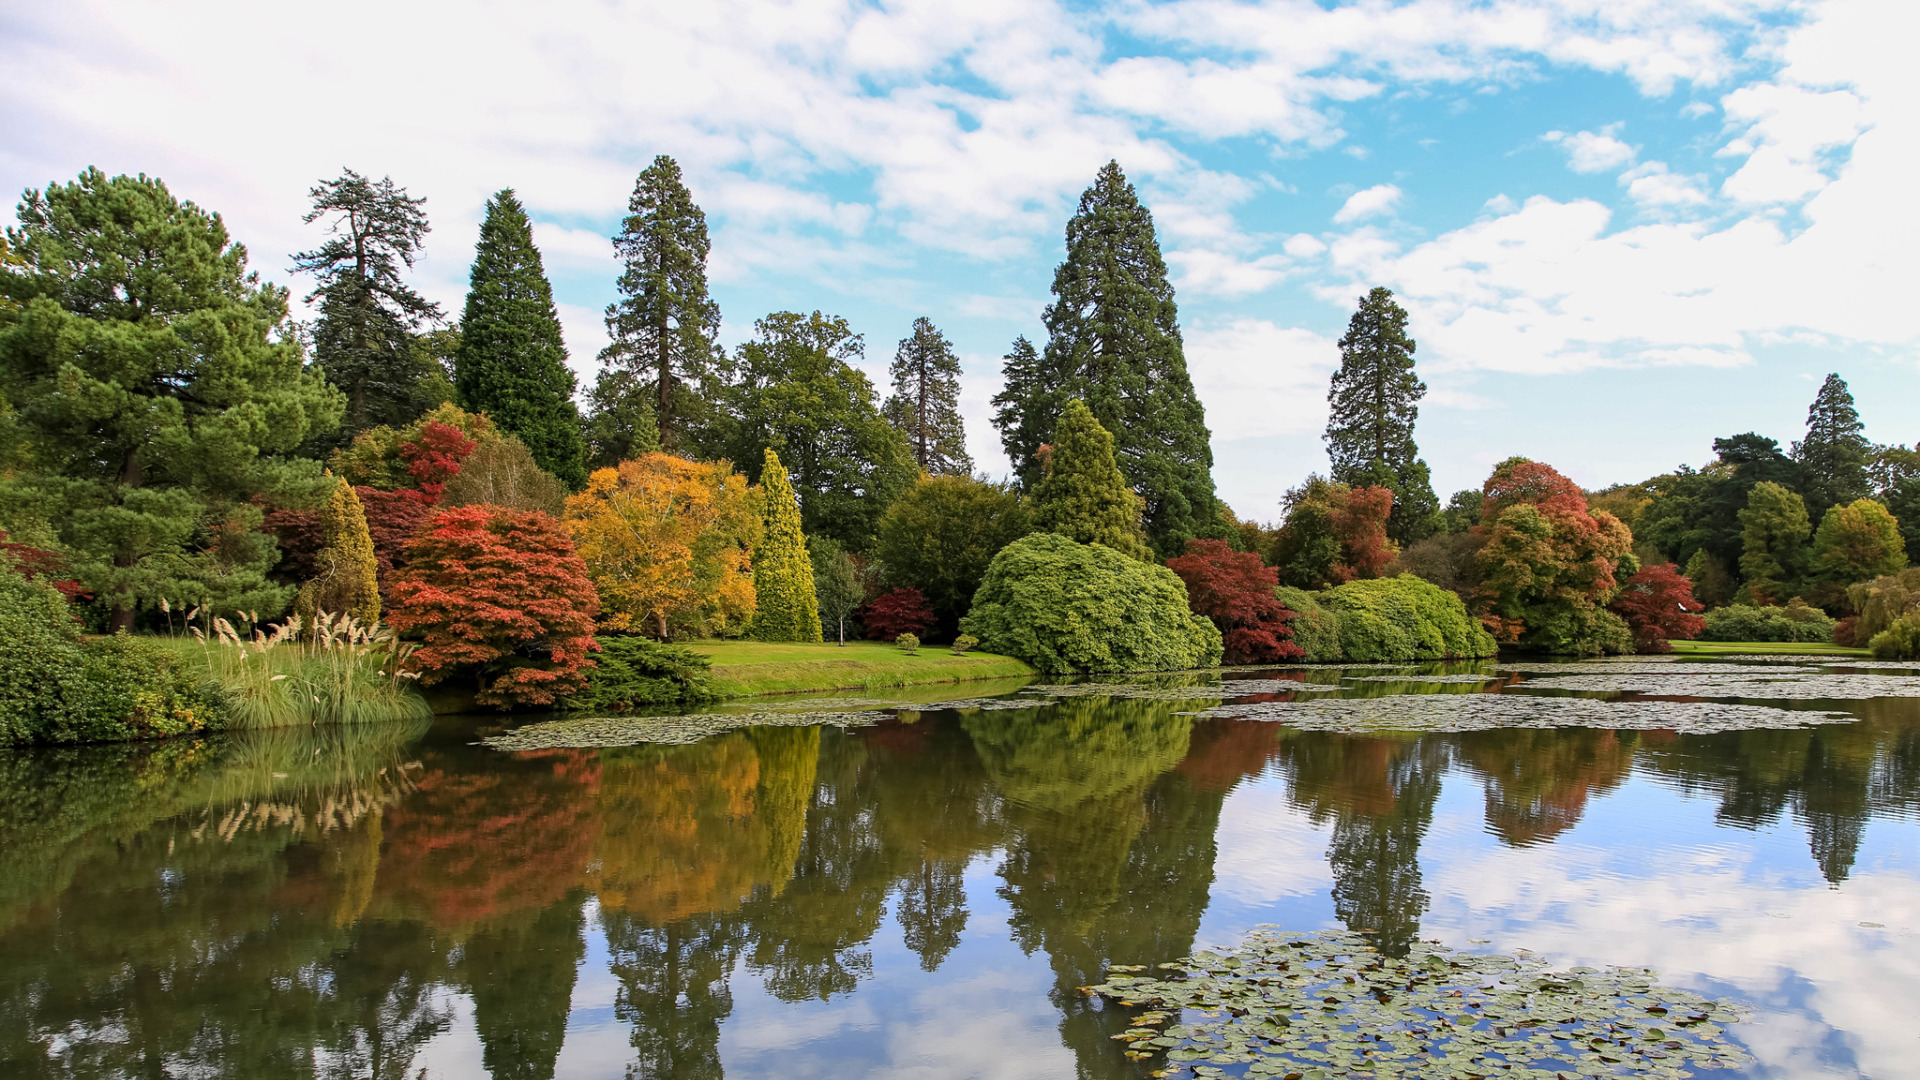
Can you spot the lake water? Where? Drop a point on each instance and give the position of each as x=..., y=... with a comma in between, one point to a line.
x=922, y=896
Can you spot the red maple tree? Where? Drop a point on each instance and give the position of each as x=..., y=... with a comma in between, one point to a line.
x=902, y=611
x=500, y=593
x=435, y=456
x=1359, y=519
x=1235, y=590
x=1658, y=604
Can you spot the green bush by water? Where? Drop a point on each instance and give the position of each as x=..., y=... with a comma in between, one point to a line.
x=1795, y=622
x=1384, y=620
x=1900, y=641
x=633, y=672
x=1315, y=628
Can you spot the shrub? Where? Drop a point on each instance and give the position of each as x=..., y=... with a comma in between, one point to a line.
x=1658, y=605
x=964, y=642
x=1901, y=641
x=1741, y=622
x=499, y=593
x=1235, y=590
x=1846, y=632
x=1316, y=629
x=902, y=611
x=631, y=672
x=1405, y=618
x=1884, y=600
x=909, y=643
x=1065, y=607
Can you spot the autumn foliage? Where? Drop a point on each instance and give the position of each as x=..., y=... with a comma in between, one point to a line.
x=499, y=593
x=669, y=543
x=1548, y=567
x=1235, y=590
x=1658, y=605
x=902, y=611
x=1333, y=534
x=39, y=564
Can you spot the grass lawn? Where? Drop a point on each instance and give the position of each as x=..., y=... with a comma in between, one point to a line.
x=1795, y=648
x=741, y=668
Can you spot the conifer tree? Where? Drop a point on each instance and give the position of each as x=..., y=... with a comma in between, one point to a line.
x=345, y=580
x=364, y=342
x=1833, y=456
x=1373, y=403
x=1083, y=497
x=1025, y=410
x=1113, y=341
x=512, y=364
x=925, y=404
x=662, y=329
x=782, y=569
x=1773, y=551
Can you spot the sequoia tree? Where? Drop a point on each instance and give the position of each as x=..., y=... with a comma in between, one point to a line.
x=1373, y=402
x=1113, y=341
x=1833, y=456
x=1083, y=497
x=155, y=389
x=364, y=341
x=512, y=364
x=925, y=404
x=663, y=326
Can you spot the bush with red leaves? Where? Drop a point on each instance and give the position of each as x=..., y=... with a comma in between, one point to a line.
x=39, y=564
x=435, y=456
x=1658, y=604
x=902, y=611
x=1235, y=590
x=499, y=593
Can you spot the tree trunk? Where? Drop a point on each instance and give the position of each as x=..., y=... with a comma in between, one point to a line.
x=843, y=631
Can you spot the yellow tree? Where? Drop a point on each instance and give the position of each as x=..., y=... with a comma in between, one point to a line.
x=668, y=542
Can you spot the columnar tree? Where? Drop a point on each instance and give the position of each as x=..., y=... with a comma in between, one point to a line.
x=925, y=404
x=1833, y=456
x=1773, y=555
x=1113, y=341
x=782, y=569
x=1083, y=497
x=1373, y=402
x=154, y=391
x=512, y=364
x=658, y=367
x=364, y=342
x=346, y=575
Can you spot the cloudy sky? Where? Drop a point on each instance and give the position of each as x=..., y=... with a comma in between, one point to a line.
x=1622, y=227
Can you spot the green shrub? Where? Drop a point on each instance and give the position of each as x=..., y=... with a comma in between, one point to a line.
x=909, y=643
x=1793, y=623
x=964, y=642
x=1900, y=641
x=1064, y=607
x=633, y=672
x=39, y=657
x=1406, y=618
x=1315, y=628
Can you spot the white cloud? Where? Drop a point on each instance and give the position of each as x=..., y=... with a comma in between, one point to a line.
x=1651, y=184
x=1790, y=129
x=1592, y=152
x=1378, y=199
x=1260, y=379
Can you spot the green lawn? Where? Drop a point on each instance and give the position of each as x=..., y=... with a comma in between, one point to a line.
x=741, y=668
x=1795, y=648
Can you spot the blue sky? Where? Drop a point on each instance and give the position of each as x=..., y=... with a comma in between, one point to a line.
x=1622, y=227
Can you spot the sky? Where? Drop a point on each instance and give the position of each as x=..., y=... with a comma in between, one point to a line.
x=1620, y=227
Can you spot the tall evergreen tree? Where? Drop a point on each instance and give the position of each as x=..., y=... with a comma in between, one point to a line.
x=1024, y=411
x=512, y=364
x=1113, y=341
x=1833, y=456
x=1083, y=497
x=925, y=404
x=663, y=326
x=789, y=609
x=1373, y=403
x=364, y=340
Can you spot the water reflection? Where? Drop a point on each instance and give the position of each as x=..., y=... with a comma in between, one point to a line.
x=345, y=902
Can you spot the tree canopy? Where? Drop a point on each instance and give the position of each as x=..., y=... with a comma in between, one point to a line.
x=925, y=403
x=1372, y=404
x=1833, y=456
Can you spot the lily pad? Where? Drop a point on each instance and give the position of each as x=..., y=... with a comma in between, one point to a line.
x=1486, y=712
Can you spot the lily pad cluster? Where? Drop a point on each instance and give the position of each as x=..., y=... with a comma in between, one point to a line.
x=1424, y=678
x=603, y=731
x=1486, y=712
x=1226, y=688
x=1323, y=1005
x=1764, y=685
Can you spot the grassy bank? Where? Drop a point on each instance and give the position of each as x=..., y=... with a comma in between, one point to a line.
x=742, y=668
x=1785, y=648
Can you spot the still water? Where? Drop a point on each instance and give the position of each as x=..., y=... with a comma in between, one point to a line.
x=922, y=897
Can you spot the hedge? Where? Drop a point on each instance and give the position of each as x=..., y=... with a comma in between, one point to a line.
x=1795, y=623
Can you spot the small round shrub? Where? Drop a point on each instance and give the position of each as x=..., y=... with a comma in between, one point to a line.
x=1900, y=641
x=631, y=672
x=1064, y=607
x=909, y=643
x=964, y=642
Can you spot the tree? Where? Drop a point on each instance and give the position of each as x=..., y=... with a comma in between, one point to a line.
x=1858, y=542
x=156, y=388
x=345, y=580
x=1113, y=342
x=1373, y=403
x=925, y=404
x=512, y=364
x=797, y=395
x=941, y=535
x=364, y=342
x=662, y=329
x=1550, y=565
x=501, y=472
x=782, y=570
x=1833, y=456
x=837, y=588
x=499, y=593
x=1773, y=554
x=668, y=543
x=1083, y=497
x=898, y=611
x=1659, y=607
x=1025, y=411
x=1333, y=533
x=620, y=425
x=1897, y=477
x=1235, y=590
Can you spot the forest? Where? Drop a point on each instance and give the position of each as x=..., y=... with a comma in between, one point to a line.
x=216, y=515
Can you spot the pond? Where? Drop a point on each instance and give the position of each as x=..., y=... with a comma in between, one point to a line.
x=922, y=891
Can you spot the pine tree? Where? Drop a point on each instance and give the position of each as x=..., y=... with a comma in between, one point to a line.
x=512, y=364
x=1833, y=456
x=782, y=569
x=925, y=404
x=1025, y=410
x=1374, y=401
x=1774, y=533
x=346, y=573
x=364, y=341
x=1083, y=497
x=1113, y=341
x=664, y=325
